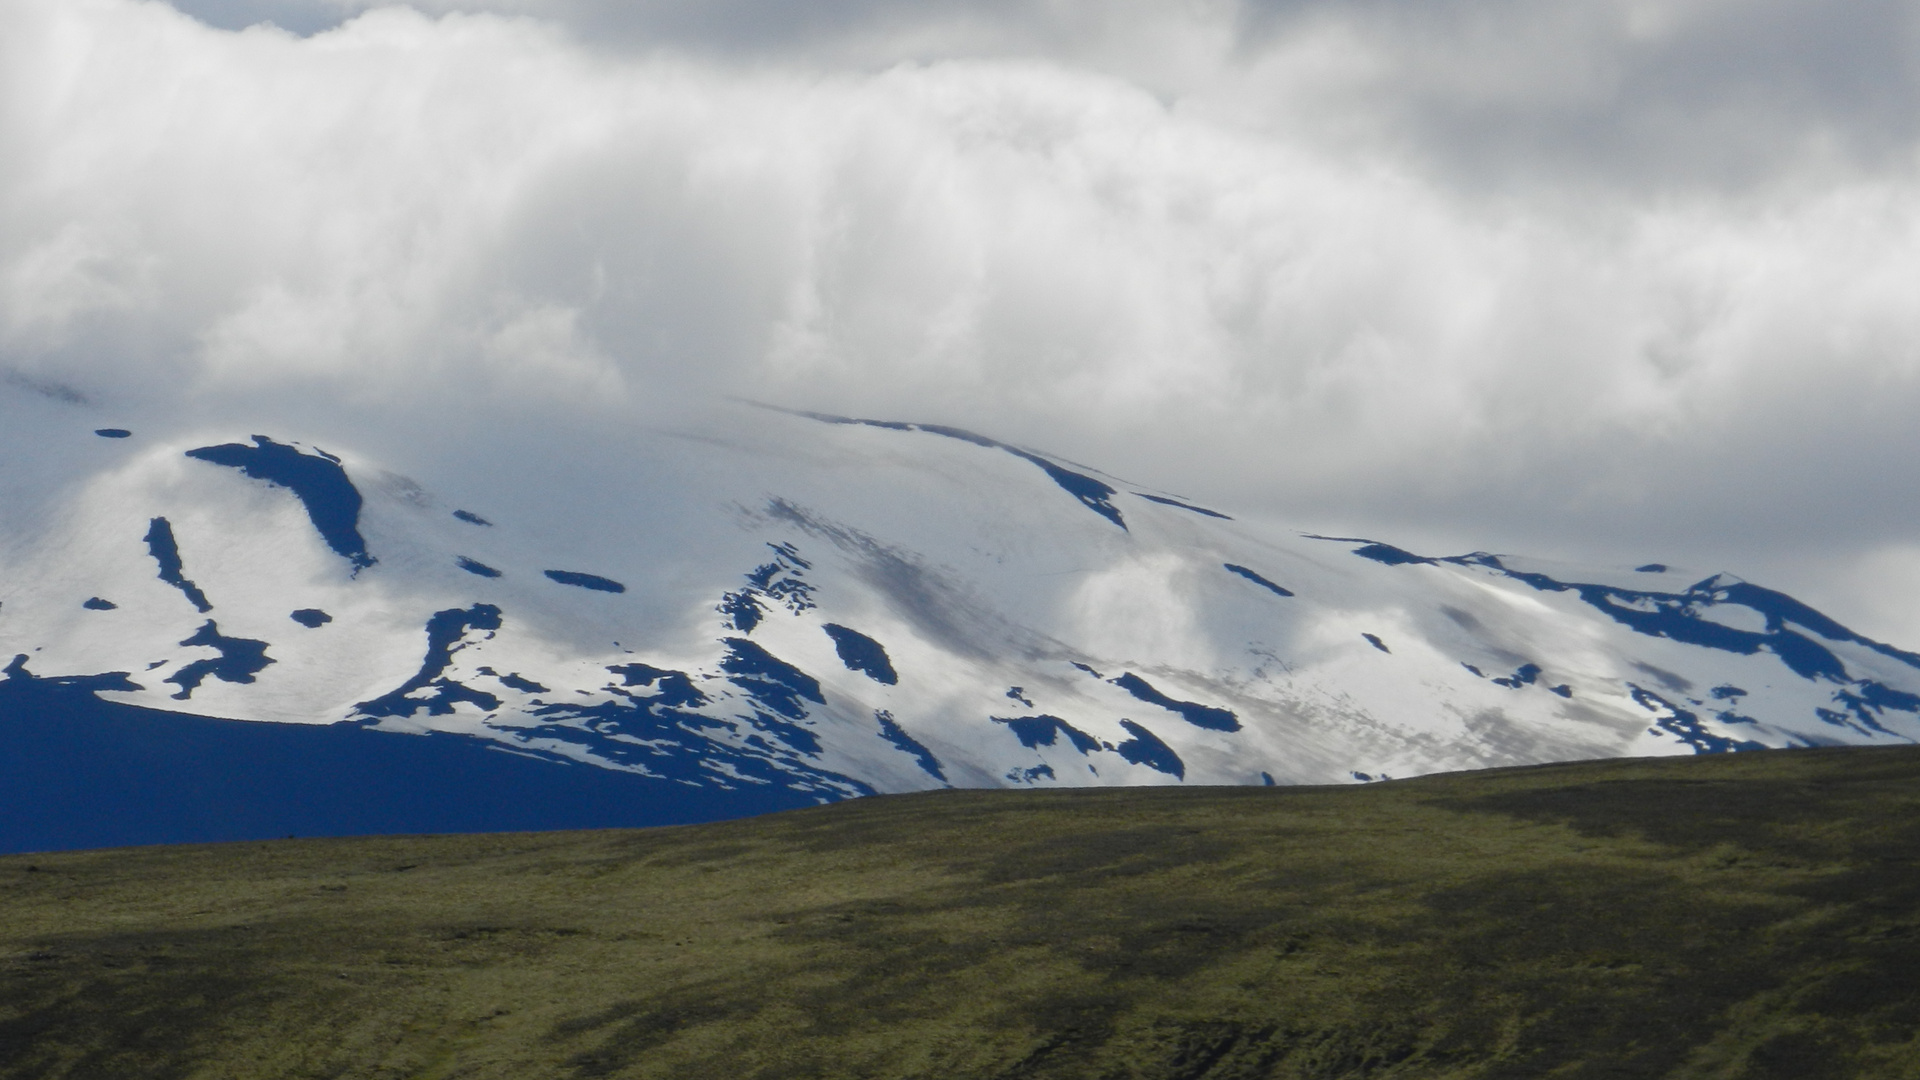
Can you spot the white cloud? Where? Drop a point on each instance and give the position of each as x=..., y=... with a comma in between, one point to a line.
x=1597, y=278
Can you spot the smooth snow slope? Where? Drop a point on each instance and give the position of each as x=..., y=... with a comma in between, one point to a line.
x=762, y=600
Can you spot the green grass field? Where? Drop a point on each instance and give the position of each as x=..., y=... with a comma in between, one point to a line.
x=1754, y=915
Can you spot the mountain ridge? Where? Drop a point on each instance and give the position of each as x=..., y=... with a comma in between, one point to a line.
x=830, y=606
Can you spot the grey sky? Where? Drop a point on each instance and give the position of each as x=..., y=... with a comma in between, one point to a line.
x=1612, y=280
x=1708, y=91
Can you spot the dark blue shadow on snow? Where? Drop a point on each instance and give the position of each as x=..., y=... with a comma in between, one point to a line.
x=779, y=581
x=1164, y=501
x=1146, y=749
x=861, y=653
x=239, y=661
x=1390, y=555
x=741, y=610
x=166, y=552
x=1201, y=716
x=786, y=560
x=474, y=566
x=891, y=731
x=1037, y=731
x=112, y=432
x=672, y=689
x=311, y=617
x=768, y=679
x=1093, y=494
x=1677, y=616
x=1685, y=725
x=657, y=732
x=1525, y=676
x=446, y=632
x=1874, y=698
x=586, y=581
x=513, y=681
x=80, y=772
x=316, y=479
x=1250, y=575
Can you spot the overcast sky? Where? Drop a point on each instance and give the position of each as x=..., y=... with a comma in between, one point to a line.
x=1598, y=279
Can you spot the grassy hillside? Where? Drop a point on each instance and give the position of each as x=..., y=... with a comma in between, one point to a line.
x=1754, y=915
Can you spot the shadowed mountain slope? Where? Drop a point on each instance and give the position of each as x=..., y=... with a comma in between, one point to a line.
x=79, y=772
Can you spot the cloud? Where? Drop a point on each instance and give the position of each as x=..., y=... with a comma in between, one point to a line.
x=1703, y=90
x=1596, y=278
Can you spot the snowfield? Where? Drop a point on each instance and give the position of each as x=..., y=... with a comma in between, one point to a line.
x=836, y=607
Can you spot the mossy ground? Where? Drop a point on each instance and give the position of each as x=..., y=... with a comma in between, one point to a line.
x=1754, y=915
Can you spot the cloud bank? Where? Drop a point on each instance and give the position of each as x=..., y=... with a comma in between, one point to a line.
x=1605, y=279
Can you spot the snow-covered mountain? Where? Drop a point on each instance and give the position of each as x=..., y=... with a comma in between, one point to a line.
x=825, y=607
